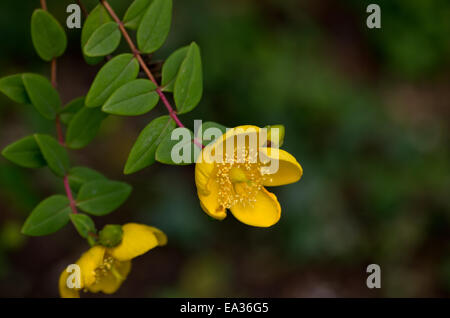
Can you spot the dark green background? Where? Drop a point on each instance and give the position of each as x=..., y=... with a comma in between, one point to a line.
x=366, y=114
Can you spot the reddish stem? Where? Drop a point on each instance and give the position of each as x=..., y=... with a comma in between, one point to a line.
x=137, y=54
x=53, y=73
x=59, y=131
x=83, y=8
x=69, y=195
x=172, y=112
x=44, y=5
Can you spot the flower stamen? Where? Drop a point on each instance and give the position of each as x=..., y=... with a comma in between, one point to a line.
x=239, y=180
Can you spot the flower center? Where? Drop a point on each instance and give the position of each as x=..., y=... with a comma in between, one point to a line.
x=239, y=183
x=108, y=265
x=237, y=175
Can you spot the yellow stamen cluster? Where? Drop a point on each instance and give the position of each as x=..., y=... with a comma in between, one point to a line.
x=104, y=268
x=239, y=180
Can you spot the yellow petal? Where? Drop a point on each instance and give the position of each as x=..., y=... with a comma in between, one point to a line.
x=289, y=170
x=88, y=262
x=210, y=203
x=203, y=172
x=160, y=235
x=113, y=279
x=64, y=291
x=234, y=133
x=264, y=212
x=137, y=239
x=239, y=129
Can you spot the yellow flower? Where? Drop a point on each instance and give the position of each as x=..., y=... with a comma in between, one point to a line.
x=239, y=185
x=104, y=269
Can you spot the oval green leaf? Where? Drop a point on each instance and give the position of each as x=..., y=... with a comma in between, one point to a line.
x=49, y=38
x=83, y=223
x=185, y=151
x=84, y=127
x=143, y=152
x=100, y=197
x=171, y=67
x=54, y=154
x=96, y=18
x=103, y=41
x=48, y=216
x=118, y=71
x=134, y=98
x=25, y=152
x=42, y=94
x=12, y=86
x=135, y=12
x=155, y=26
x=188, y=87
x=80, y=175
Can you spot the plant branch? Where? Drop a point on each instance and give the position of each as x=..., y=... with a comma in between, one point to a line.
x=44, y=5
x=58, y=127
x=53, y=73
x=59, y=132
x=137, y=54
x=69, y=195
x=83, y=8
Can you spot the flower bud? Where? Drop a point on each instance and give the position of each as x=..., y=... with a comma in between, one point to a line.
x=275, y=139
x=110, y=235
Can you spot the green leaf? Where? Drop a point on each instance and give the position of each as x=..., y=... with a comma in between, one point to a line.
x=100, y=197
x=42, y=94
x=135, y=12
x=25, y=152
x=143, y=152
x=189, y=83
x=83, y=127
x=12, y=86
x=183, y=147
x=155, y=26
x=207, y=125
x=134, y=98
x=95, y=19
x=171, y=67
x=68, y=111
x=49, y=38
x=80, y=175
x=118, y=71
x=83, y=223
x=55, y=155
x=48, y=216
x=103, y=41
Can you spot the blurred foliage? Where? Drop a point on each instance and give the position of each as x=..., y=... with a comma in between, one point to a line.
x=417, y=43
x=366, y=114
